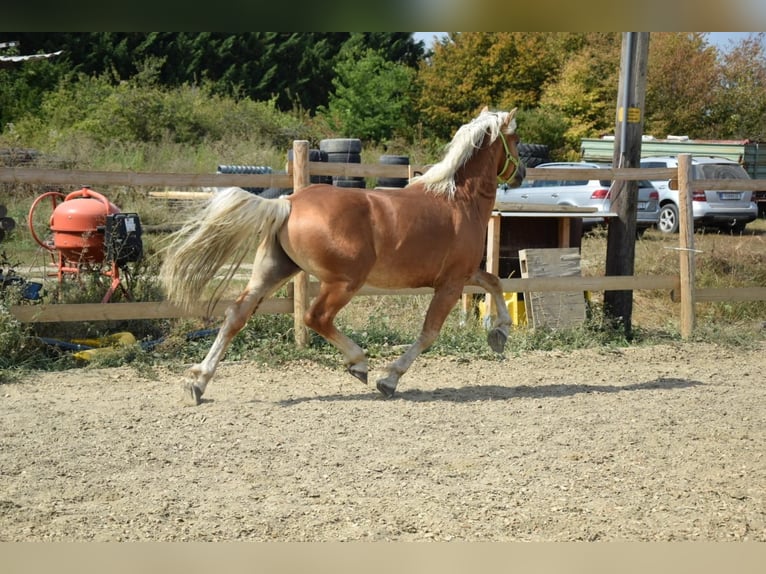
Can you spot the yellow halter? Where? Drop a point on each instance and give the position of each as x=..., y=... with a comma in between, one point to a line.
x=509, y=159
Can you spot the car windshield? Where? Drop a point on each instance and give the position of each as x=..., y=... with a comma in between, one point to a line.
x=719, y=171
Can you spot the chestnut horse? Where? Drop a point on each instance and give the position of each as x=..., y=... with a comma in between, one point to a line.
x=430, y=233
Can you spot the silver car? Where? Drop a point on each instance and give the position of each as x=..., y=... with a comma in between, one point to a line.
x=583, y=193
x=728, y=210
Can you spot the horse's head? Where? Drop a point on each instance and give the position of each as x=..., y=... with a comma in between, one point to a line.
x=512, y=171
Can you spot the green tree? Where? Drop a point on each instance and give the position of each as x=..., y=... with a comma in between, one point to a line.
x=739, y=108
x=585, y=90
x=469, y=70
x=680, y=87
x=23, y=87
x=295, y=69
x=548, y=126
x=372, y=97
x=451, y=84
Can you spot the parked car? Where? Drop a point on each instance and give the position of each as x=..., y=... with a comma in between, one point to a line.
x=583, y=193
x=730, y=210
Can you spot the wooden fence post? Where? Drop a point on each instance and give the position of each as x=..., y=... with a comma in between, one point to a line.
x=493, y=260
x=301, y=280
x=686, y=244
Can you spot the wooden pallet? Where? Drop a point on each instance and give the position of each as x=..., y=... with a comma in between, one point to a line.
x=556, y=309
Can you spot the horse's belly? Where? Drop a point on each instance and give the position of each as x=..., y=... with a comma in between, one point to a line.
x=405, y=274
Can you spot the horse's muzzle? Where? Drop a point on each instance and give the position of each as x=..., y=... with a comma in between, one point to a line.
x=518, y=178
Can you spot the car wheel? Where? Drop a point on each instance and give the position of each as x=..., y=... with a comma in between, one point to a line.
x=668, y=222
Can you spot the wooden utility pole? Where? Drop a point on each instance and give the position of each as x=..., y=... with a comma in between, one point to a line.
x=621, y=237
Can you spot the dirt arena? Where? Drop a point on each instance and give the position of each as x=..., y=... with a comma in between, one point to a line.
x=661, y=443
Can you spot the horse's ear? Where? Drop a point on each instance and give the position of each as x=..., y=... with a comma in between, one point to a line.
x=484, y=109
x=509, y=118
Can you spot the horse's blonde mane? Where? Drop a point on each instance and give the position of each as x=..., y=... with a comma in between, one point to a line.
x=440, y=177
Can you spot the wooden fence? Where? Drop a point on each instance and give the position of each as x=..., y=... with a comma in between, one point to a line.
x=680, y=286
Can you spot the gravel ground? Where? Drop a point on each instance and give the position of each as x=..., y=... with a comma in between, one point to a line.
x=662, y=443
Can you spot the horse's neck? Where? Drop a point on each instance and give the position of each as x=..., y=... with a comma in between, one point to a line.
x=480, y=177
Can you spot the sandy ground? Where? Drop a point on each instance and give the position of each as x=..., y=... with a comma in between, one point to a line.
x=641, y=444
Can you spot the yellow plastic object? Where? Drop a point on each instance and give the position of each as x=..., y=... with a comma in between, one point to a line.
x=103, y=345
x=515, y=306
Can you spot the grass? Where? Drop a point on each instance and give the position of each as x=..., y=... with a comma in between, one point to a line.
x=723, y=261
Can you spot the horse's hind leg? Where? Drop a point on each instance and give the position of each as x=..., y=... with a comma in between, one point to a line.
x=271, y=269
x=320, y=317
x=443, y=301
x=498, y=334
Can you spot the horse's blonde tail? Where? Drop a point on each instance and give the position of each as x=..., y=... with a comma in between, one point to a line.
x=232, y=223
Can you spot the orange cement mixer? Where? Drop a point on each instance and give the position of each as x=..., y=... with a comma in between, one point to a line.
x=83, y=226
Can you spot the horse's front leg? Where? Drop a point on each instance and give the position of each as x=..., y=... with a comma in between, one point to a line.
x=498, y=334
x=442, y=303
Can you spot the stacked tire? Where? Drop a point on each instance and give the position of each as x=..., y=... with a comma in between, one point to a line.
x=343, y=150
x=394, y=181
x=314, y=155
x=533, y=155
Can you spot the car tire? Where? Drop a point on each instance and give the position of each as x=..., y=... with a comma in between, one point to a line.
x=668, y=222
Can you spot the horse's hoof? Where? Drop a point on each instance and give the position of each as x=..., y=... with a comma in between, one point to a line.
x=496, y=340
x=361, y=375
x=192, y=395
x=386, y=388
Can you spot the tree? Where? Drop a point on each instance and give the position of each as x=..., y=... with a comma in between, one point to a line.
x=739, y=108
x=23, y=88
x=585, y=90
x=469, y=70
x=293, y=68
x=453, y=84
x=548, y=126
x=372, y=96
x=680, y=92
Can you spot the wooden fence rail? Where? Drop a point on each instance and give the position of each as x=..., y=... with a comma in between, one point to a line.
x=681, y=287
x=50, y=313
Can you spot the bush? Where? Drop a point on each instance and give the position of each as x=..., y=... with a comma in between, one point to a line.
x=95, y=109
